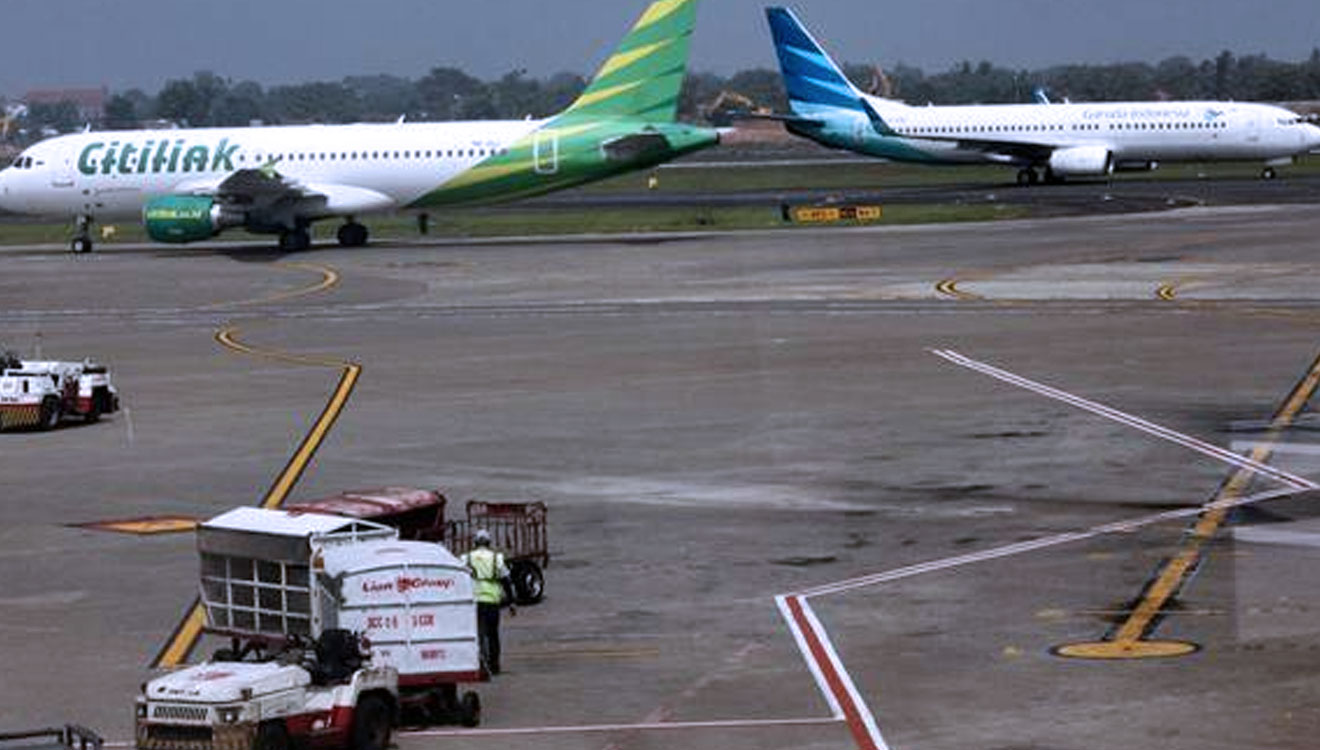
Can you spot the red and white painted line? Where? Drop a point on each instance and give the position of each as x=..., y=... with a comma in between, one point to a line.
x=831, y=675
x=813, y=641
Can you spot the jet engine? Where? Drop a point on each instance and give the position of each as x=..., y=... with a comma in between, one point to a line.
x=1081, y=161
x=186, y=218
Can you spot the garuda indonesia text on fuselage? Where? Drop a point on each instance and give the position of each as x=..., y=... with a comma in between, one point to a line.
x=188, y=185
x=1062, y=140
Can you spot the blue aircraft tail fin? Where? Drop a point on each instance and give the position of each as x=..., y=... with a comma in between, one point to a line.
x=810, y=76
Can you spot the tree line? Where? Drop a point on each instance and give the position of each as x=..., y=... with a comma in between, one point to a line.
x=446, y=93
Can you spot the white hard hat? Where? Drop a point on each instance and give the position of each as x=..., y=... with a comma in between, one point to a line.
x=481, y=536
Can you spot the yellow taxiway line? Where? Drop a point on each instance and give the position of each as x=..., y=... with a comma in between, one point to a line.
x=185, y=636
x=1130, y=639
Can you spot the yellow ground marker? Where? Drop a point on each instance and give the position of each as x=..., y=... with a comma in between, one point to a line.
x=1130, y=639
x=145, y=526
x=176, y=649
x=949, y=288
x=1167, y=291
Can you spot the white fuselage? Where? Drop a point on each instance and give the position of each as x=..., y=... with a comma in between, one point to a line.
x=1132, y=132
x=365, y=167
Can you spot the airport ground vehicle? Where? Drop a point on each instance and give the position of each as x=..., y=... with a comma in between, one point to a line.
x=516, y=529
x=336, y=625
x=70, y=736
x=36, y=393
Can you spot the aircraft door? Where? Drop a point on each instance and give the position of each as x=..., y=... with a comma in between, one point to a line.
x=61, y=173
x=545, y=152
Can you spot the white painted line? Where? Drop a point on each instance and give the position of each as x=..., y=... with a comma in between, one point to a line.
x=1187, y=441
x=858, y=704
x=590, y=728
x=1055, y=540
x=800, y=639
x=834, y=680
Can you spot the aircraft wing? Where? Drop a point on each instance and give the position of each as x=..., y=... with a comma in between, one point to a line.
x=1008, y=151
x=266, y=189
x=1012, y=152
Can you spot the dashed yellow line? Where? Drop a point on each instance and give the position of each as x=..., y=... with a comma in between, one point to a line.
x=1130, y=639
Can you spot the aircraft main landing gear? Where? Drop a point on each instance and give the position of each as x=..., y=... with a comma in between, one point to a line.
x=1027, y=176
x=352, y=234
x=295, y=239
x=1268, y=173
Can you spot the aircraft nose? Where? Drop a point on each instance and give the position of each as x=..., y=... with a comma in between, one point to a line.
x=5, y=200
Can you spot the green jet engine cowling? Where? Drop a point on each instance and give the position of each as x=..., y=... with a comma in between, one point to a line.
x=185, y=218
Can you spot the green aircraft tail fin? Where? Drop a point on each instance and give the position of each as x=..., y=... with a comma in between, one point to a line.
x=642, y=78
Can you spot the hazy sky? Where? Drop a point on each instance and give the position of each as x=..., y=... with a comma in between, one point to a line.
x=125, y=43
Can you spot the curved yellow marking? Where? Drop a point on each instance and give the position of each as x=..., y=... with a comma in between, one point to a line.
x=1129, y=640
x=298, y=462
x=329, y=279
x=1167, y=291
x=189, y=630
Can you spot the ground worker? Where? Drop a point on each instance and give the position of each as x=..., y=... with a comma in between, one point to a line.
x=491, y=588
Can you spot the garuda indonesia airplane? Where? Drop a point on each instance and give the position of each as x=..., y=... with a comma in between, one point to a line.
x=188, y=185
x=1061, y=140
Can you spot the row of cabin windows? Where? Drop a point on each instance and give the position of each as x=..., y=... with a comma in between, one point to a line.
x=927, y=130
x=376, y=155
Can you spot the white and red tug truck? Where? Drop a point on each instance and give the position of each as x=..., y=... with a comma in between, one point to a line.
x=335, y=626
x=38, y=393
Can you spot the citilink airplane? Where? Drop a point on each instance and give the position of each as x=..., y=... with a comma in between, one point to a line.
x=1060, y=140
x=189, y=184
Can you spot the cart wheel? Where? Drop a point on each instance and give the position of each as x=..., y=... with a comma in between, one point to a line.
x=469, y=709
x=442, y=704
x=371, y=724
x=50, y=413
x=271, y=735
x=528, y=583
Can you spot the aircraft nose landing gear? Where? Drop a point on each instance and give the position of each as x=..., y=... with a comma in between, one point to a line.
x=82, y=234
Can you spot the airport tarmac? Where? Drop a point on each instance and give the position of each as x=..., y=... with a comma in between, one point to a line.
x=725, y=428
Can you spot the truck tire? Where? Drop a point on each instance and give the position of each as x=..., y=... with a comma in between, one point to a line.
x=469, y=709
x=371, y=724
x=50, y=413
x=528, y=582
x=271, y=735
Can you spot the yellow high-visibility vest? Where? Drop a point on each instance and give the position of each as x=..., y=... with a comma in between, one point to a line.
x=488, y=569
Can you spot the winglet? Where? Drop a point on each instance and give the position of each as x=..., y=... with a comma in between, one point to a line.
x=811, y=77
x=642, y=78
